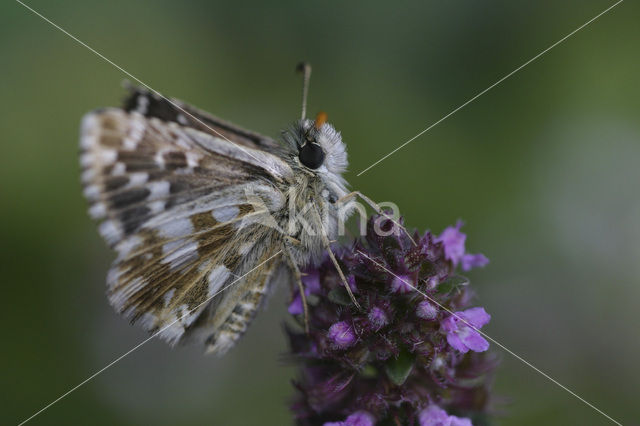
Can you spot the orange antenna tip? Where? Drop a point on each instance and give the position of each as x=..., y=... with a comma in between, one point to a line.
x=321, y=118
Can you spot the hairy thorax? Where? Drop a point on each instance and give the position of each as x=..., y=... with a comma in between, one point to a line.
x=313, y=219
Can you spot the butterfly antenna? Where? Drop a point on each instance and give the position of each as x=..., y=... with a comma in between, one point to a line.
x=305, y=69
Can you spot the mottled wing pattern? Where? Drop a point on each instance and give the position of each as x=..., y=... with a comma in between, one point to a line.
x=171, y=201
x=150, y=104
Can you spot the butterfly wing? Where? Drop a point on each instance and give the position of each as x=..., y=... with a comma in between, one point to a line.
x=151, y=104
x=194, y=254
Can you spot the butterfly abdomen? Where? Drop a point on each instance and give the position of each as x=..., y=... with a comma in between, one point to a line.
x=236, y=324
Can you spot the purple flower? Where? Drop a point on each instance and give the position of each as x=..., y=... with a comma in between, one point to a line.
x=402, y=284
x=351, y=280
x=426, y=310
x=459, y=333
x=377, y=317
x=359, y=418
x=432, y=282
x=453, y=242
x=295, y=307
x=341, y=334
x=311, y=283
x=470, y=261
x=388, y=361
x=436, y=416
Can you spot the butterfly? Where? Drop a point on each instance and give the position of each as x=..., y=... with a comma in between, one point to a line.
x=205, y=216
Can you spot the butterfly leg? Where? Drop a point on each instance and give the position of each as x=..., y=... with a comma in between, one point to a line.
x=342, y=277
x=350, y=196
x=297, y=276
x=327, y=246
x=290, y=240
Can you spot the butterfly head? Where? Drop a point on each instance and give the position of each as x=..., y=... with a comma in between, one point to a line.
x=317, y=145
x=310, y=152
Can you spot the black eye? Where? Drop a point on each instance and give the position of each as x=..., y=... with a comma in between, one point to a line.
x=311, y=155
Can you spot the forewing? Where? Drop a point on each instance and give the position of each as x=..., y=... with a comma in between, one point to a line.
x=150, y=104
x=172, y=202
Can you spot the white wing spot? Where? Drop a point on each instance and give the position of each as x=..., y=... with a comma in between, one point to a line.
x=92, y=192
x=177, y=253
x=137, y=179
x=126, y=246
x=225, y=214
x=159, y=189
x=88, y=126
x=118, y=169
x=129, y=143
x=159, y=158
x=223, y=343
x=217, y=277
x=156, y=206
x=168, y=296
x=187, y=316
x=107, y=156
x=247, y=306
x=86, y=159
x=182, y=119
x=136, y=132
x=173, y=333
x=177, y=228
x=88, y=175
x=143, y=104
x=110, y=231
x=98, y=210
x=104, y=156
x=193, y=159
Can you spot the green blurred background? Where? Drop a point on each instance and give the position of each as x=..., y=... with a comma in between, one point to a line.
x=544, y=169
